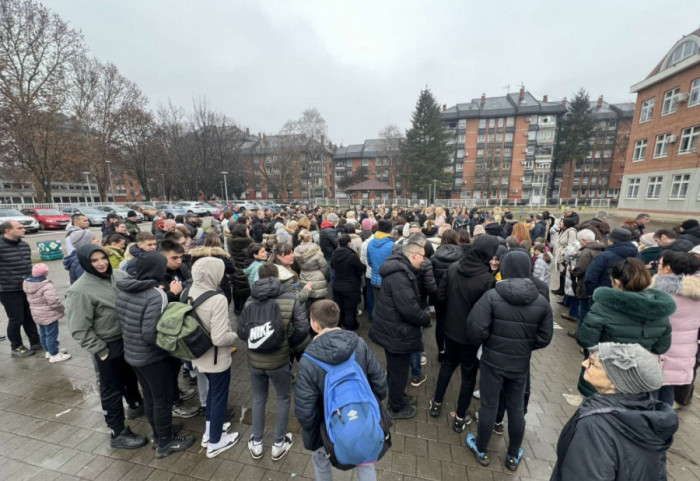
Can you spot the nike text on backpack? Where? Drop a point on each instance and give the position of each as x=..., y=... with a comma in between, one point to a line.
x=355, y=431
x=263, y=327
x=180, y=331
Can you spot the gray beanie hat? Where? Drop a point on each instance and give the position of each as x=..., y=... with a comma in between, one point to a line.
x=630, y=367
x=332, y=217
x=79, y=238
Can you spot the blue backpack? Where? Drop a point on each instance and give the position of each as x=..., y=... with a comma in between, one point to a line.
x=356, y=430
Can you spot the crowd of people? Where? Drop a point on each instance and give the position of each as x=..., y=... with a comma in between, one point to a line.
x=298, y=281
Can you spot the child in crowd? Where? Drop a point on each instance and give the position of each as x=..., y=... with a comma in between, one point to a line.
x=46, y=309
x=543, y=263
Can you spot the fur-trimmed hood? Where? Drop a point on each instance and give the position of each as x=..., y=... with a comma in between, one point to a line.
x=202, y=251
x=648, y=304
x=684, y=286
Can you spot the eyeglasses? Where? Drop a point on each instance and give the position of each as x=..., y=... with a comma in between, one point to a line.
x=593, y=364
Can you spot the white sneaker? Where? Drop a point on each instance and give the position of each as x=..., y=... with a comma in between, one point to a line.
x=47, y=355
x=226, y=442
x=60, y=351
x=224, y=430
x=256, y=450
x=423, y=360
x=279, y=451
x=61, y=356
x=477, y=394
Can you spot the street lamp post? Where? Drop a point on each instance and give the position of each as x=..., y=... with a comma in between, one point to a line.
x=434, y=192
x=226, y=186
x=111, y=187
x=87, y=177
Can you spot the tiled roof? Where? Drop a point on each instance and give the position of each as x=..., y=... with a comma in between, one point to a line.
x=502, y=106
x=369, y=185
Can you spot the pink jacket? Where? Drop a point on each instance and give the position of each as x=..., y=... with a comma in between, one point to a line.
x=679, y=361
x=43, y=301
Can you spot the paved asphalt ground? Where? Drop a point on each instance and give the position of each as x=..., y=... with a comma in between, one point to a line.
x=52, y=428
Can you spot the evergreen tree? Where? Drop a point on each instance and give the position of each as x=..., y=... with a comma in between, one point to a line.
x=425, y=153
x=575, y=134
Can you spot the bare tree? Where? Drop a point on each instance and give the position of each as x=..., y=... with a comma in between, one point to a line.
x=390, y=143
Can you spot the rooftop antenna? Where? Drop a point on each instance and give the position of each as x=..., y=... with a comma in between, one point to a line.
x=507, y=87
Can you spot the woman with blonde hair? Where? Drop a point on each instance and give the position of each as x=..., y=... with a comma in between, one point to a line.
x=313, y=266
x=440, y=217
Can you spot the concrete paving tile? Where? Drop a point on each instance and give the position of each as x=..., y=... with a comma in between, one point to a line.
x=137, y=473
x=404, y=464
x=251, y=473
x=417, y=447
x=76, y=463
x=383, y=475
x=160, y=475
x=295, y=463
x=439, y=451
x=428, y=468
x=95, y=467
x=46, y=475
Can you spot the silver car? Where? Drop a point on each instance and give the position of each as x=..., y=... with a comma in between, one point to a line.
x=30, y=224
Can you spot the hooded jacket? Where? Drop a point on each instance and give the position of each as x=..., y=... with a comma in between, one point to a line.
x=43, y=300
x=378, y=250
x=140, y=303
x=397, y=318
x=257, y=230
x=444, y=256
x=238, y=248
x=116, y=256
x=511, y=320
x=70, y=228
x=598, y=272
x=678, y=362
x=586, y=255
x=621, y=437
x=252, y=271
x=15, y=264
x=229, y=268
x=540, y=230
x=328, y=239
x=332, y=347
x=293, y=317
x=314, y=268
x=91, y=305
x=494, y=229
x=207, y=273
x=72, y=265
x=349, y=271
x=692, y=235
x=464, y=284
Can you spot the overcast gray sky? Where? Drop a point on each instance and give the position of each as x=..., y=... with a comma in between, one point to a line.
x=362, y=63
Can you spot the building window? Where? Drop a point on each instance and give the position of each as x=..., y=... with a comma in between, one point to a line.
x=508, y=152
x=479, y=153
x=633, y=187
x=694, y=97
x=365, y=162
x=509, y=137
x=510, y=121
x=670, y=101
x=689, y=140
x=661, y=146
x=460, y=138
x=492, y=123
x=679, y=186
x=505, y=166
x=462, y=124
x=647, y=110
x=458, y=181
x=459, y=167
x=612, y=125
x=640, y=150
x=499, y=138
x=607, y=154
x=683, y=51
x=481, y=138
x=654, y=187
x=500, y=123
x=460, y=153
x=482, y=123
x=490, y=137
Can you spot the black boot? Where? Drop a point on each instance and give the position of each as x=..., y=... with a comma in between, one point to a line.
x=127, y=440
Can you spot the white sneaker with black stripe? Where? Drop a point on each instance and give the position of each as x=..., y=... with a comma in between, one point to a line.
x=224, y=430
x=226, y=442
x=280, y=450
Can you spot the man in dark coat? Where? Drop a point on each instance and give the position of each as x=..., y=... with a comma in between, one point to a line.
x=108, y=226
x=668, y=240
x=466, y=281
x=492, y=227
x=177, y=274
x=598, y=272
x=397, y=321
x=258, y=226
x=509, y=321
x=690, y=230
x=570, y=213
x=540, y=229
x=328, y=236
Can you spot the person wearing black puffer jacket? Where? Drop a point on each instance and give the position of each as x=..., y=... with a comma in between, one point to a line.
x=509, y=321
x=238, y=245
x=466, y=281
x=445, y=255
x=140, y=303
x=690, y=230
x=397, y=322
x=347, y=286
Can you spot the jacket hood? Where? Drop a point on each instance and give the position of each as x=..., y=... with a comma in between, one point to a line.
x=333, y=347
x=484, y=248
x=642, y=420
x=136, y=251
x=518, y=291
x=326, y=224
x=202, y=251
x=379, y=242
x=623, y=249
x=71, y=228
x=341, y=254
x=268, y=288
x=31, y=285
x=648, y=304
x=594, y=245
x=71, y=259
x=84, y=253
x=448, y=253
x=685, y=286
x=306, y=251
x=515, y=264
x=35, y=279
x=493, y=229
x=151, y=266
x=207, y=273
x=396, y=262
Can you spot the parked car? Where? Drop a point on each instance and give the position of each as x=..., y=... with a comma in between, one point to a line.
x=95, y=216
x=171, y=210
x=48, y=218
x=147, y=212
x=196, y=208
x=120, y=210
x=246, y=204
x=270, y=205
x=213, y=210
x=30, y=224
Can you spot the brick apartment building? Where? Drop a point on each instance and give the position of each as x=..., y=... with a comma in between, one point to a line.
x=662, y=168
x=374, y=155
x=599, y=175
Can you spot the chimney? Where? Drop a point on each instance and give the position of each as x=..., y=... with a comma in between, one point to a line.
x=264, y=136
x=600, y=101
x=483, y=98
x=444, y=107
x=563, y=101
x=330, y=145
x=545, y=98
x=247, y=130
x=522, y=94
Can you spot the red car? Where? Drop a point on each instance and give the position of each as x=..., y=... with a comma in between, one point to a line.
x=48, y=218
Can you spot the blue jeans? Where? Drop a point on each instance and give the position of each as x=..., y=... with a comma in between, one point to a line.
x=584, y=305
x=48, y=335
x=415, y=364
x=573, y=307
x=217, y=402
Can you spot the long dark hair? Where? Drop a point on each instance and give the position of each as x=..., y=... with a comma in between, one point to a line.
x=632, y=274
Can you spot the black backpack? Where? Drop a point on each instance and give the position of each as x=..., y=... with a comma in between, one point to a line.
x=261, y=326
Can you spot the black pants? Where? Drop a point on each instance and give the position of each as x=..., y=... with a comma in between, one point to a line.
x=347, y=302
x=117, y=380
x=513, y=385
x=19, y=316
x=238, y=302
x=397, y=376
x=157, y=382
x=464, y=356
x=440, y=326
x=502, y=401
x=683, y=395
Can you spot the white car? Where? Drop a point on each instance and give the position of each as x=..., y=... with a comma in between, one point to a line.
x=196, y=208
x=30, y=224
x=246, y=204
x=95, y=216
x=120, y=210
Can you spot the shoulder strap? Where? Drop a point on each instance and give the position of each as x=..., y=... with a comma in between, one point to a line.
x=328, y=367
x=201, y=299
